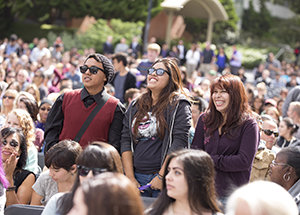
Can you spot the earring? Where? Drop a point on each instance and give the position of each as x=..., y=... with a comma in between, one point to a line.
x=286, y=177
x=72, y=174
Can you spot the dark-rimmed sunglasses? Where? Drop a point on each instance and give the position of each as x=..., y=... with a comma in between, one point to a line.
x=269, y=132
x=43, y=109
x=8, y=97
x=93, y=69
x=12, y=143
x=159, y=71
x=84, y=171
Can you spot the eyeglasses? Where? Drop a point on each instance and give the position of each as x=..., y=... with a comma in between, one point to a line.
x=269, y=132
x=8, y=97
x=43, y=109
x=37, y=76
x=158, y=71
x=10, y=76
x=93, y=69
x=12, y=143
x=84, y=171
x=281, y=164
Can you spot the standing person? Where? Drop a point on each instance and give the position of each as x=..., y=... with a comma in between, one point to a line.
x=122, y=46
x=235, y=61
x=153, y=51
x=135, y=48
x=12, y=46
x=40, y=51
x=292, y=96
x=155, y=124
x=63, y=121
x=108, y=47
x=182, y=52
x=123, y=79
x=221, y=60
x=207, y=58
x=228, y=120
x=273, y=65
x=192, y=59
x=188, y=185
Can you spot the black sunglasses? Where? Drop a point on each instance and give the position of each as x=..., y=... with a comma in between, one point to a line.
x=93, y=69
x=43, y=109
x=84, y=171
x=9, y=97
x=269, y=132
x=158, y=71
x=12, y=143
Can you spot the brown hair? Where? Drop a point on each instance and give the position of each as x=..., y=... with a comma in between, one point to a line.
x=238, y=105
x=167, y=96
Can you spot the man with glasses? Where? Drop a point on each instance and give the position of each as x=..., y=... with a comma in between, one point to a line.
x=71, y=109
x=264, y=156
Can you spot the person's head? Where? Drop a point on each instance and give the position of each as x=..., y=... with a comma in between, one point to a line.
x=261, y=89
x=13, y=141
x=66, y=83
x=153, y=51
x=14, y=86
x=61, y=160
x=110, y=193
x=279, y=106
x=261, y=198
x=38, y=77
x=30, y=106
x=96, y=72
x=273, y=112
x=34, y=90
x=269, y=131
x=258, y=104
x=131, y=94
x=294, y=110
x=285, y=169
x=110, y=89
x=8, y=98
x=96, y=158
x=198, y=107
x=22, y=76
x=21, y=119
x=13, y=38
x=189, y=177
x=44, y=109
x=22, y=94
x=270, y=103
x=10, y=76
x=287, y=127
x=265, y=74
x=119, y=61
x=42, y=43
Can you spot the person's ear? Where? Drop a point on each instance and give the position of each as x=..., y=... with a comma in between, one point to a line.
x=73, y=169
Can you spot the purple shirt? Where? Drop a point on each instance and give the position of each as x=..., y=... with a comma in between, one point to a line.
x=232, y=156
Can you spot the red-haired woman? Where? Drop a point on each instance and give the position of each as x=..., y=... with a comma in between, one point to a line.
x=155, y=124
x=229, y=133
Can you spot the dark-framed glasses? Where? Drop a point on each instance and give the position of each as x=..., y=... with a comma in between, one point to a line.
x=159, y=71
x=270, y=132
x=93, y=69
x=12, y=143
x=43, y=109
x=84, y=171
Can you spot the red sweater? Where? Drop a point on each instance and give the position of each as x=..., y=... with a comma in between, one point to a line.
x=76, y=113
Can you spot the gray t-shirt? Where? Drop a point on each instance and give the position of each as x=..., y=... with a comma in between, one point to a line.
x=119, y=87
x=45, y=186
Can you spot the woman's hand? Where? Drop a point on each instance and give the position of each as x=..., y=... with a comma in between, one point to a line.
x=10, y=165
x=156, y=183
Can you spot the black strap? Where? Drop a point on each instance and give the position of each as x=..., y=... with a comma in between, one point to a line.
x=92, y=115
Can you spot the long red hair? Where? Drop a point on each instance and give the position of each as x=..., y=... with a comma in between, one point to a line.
x=238, y=109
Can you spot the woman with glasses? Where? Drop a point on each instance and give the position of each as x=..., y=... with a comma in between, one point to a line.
x=44, y=109
x=285, y=171
x=286, y=130
x=229, y=133
x=155, y=124
x=14, y=156
x=8, y=99
x=98, y=157
x=60, y=176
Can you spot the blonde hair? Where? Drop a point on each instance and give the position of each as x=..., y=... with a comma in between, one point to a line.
x=13, y=92
x=262, y=198
x=36, y=90
x=154, y=47
x=20, y=95
x=26, y=124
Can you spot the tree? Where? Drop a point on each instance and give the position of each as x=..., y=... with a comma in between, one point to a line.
x=198, y=27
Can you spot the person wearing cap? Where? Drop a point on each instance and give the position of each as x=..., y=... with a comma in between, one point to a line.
x=12, y=46
x=72, y=108
x=270, y=103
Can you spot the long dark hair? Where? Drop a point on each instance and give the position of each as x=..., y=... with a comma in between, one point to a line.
x=6, y=132
x=167, y=96
x=238, y=109
x=198, y=168
x=97, y=154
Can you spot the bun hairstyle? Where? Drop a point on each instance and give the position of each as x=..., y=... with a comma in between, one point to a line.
x=290, y=124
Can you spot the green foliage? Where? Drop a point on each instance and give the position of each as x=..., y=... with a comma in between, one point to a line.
x=97, y=34
x=69, y=40
x=258, y=23
x=198, y=27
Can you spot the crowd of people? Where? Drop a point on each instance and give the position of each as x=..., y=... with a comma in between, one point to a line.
x=184, y=125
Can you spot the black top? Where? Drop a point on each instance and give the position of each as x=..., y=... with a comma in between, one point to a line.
x=20, y=176
x=55, y=118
